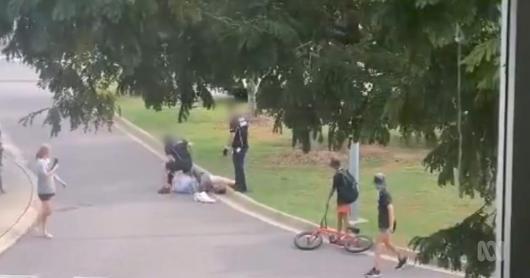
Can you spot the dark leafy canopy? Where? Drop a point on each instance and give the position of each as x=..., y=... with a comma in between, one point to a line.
x=360, y=68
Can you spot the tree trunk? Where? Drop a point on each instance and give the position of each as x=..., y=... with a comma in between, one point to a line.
x=252, y=86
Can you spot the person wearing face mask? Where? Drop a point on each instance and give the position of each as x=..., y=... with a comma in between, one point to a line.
x=387, y=226
x=238, y=143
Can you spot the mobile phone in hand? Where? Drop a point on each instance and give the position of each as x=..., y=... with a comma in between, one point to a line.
x=55, y=162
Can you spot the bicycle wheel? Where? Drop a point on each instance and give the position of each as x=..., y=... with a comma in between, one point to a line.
x=308, y=241
x=358, y=244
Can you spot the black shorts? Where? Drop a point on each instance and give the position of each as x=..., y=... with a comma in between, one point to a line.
x=46, y=197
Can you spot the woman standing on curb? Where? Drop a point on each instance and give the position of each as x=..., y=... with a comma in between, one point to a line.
x=46, y=169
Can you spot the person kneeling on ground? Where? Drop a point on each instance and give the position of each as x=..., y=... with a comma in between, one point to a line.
x=346, y=187
x=178, y=159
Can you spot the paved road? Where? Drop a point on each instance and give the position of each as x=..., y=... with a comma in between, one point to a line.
x=110, y=222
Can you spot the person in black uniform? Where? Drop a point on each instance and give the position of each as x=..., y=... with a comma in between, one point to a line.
x=238, y=142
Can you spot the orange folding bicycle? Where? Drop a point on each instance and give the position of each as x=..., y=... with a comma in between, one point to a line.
x=352, y=241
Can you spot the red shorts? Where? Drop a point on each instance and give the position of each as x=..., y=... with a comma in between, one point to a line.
x=343, y=208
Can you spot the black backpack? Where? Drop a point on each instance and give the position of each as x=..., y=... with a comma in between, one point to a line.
x=350, y=190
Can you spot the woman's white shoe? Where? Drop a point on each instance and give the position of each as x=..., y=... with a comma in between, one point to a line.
x=47, y=235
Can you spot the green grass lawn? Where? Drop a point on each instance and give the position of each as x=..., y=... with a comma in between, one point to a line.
x=301, y=189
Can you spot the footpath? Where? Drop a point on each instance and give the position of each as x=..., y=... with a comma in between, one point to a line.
x=16, y=204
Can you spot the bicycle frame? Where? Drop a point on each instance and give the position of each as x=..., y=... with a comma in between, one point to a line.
x=351, y=240
x=324, y=230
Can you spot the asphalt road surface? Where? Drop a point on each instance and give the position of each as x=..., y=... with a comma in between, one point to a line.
x=110, y=222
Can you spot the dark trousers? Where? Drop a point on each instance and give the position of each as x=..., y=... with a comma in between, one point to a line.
x=239, y=167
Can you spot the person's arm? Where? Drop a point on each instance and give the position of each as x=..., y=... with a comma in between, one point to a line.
x=43, y=168
x=391, y=216
x=61, y=181
x=336, y=180
x=230, y=139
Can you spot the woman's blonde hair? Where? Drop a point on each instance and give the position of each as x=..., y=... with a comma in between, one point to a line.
x=43, y=151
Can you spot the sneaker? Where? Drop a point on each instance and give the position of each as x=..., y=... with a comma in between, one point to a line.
x=401, y=262
x=206, y=198
x=373, y=273
x=198, y=197
x=47, y=235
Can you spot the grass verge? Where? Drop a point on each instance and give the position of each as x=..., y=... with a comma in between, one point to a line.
x=298, y=184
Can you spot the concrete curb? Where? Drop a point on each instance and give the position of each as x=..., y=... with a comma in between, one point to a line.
x=28, y=216
x=246, y=204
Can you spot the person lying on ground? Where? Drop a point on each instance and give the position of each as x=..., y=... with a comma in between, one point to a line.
x=210, y=183
x=200, y=183
x=187, y=184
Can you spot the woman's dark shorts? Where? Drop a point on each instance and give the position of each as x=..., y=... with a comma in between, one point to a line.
x=46, y=197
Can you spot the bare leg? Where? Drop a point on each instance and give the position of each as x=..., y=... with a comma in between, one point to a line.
x=46, y=212
x=379, y=243
x=346, y=221
x=222, y=180
x=391, y=247
x=38, y=222
x=340, y=220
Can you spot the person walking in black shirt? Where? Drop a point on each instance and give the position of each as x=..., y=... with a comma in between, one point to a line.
x=387, y=226
x=239, y=144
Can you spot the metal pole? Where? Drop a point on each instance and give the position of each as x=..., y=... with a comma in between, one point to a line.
x=515, y=208
x=354, y=170
x=500, y=271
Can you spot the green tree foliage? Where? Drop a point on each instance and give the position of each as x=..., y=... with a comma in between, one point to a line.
x=359, y=67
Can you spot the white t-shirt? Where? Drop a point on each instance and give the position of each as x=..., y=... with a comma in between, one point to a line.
x=45, y=182
x=184, y=184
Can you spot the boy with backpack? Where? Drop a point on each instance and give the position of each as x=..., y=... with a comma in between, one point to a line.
x=346, y=187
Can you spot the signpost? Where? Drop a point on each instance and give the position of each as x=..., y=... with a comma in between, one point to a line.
x=353, y=167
